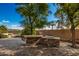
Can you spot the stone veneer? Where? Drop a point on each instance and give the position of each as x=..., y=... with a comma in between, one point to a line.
x=50, y=41
x=44, y=40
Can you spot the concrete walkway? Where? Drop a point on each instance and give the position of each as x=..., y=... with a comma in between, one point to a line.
x=11, y=42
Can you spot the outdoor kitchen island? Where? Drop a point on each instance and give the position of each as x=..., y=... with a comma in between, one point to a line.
x=49, y=41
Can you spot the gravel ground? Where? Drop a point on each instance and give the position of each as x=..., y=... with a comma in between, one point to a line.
x=16, y=47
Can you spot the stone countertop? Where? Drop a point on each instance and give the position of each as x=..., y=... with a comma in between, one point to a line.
x=33, y=35
x=49, y=37
x=52, y=37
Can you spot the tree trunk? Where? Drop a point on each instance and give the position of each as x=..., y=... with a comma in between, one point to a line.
x=31, y=29
x=73, y=36
x=31, y=25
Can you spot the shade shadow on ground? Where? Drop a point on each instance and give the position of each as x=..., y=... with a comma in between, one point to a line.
x=16, y=47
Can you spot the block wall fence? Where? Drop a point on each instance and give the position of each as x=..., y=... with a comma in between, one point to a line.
x=63, y=34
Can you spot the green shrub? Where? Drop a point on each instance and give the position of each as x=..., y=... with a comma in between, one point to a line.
x=3, y=36
x=27, y=31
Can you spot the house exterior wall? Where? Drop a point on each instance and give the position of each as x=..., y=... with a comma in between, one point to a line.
x=9, y=35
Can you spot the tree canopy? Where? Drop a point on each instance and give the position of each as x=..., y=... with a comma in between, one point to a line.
x=34, y=15
x=69, y=13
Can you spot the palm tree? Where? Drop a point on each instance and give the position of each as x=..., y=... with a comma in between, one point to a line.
x=59, y=24
x=60, y=15
x=51, y=23
x=71, y=11
x=34, y=14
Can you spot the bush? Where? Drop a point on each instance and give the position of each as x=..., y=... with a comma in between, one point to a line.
x=27, y=31
x=3, y=36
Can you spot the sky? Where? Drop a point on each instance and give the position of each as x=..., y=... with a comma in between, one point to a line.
x=53, y=9
x=10, y=17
